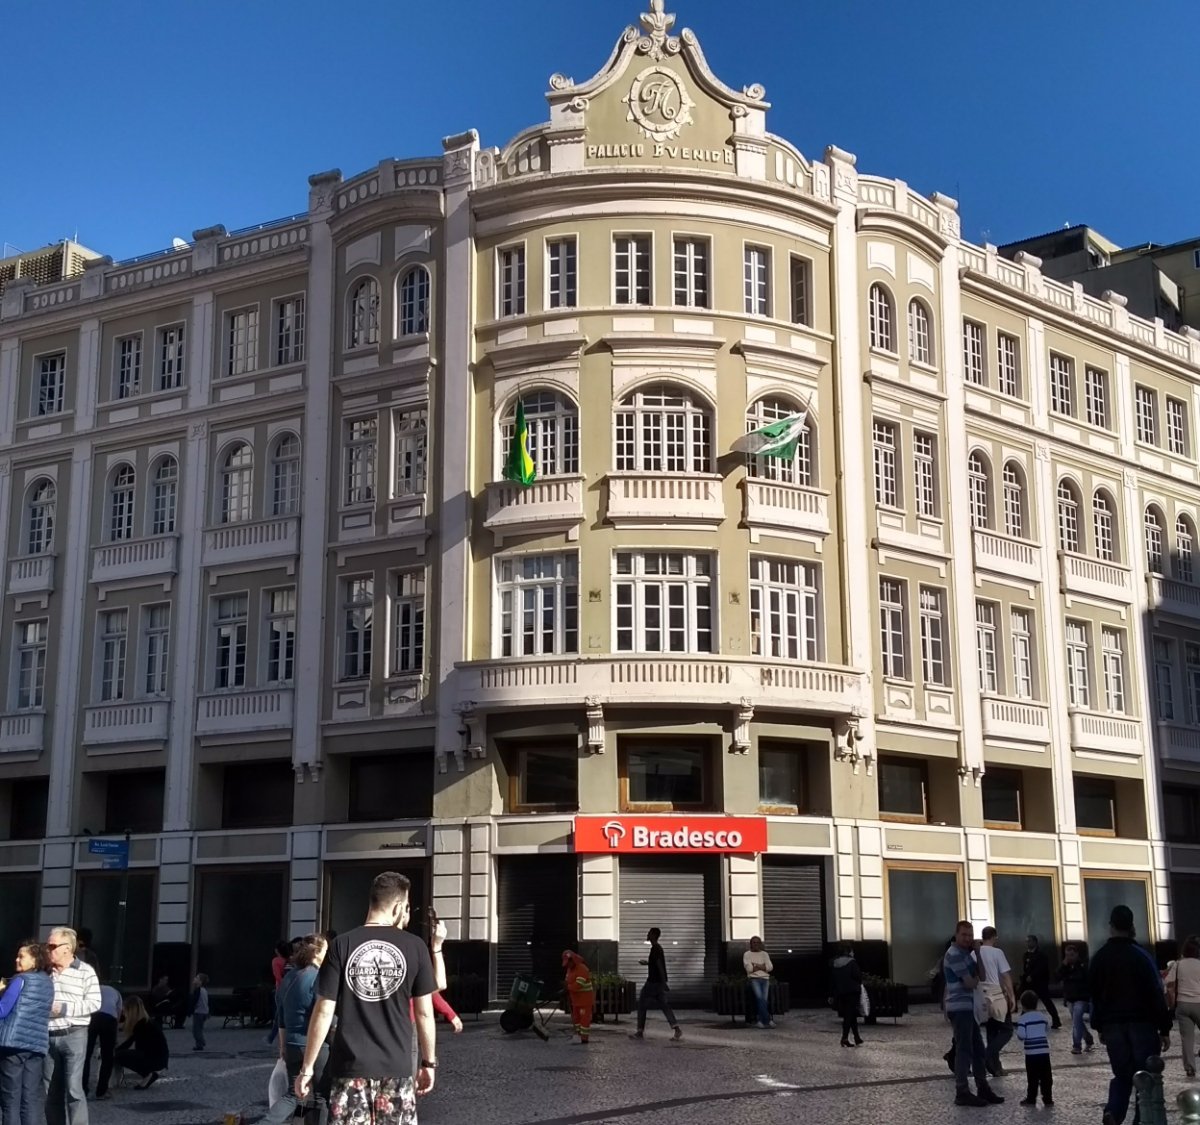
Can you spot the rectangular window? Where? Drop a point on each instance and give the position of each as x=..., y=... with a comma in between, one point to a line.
x=170, y=357
x=50, y=391
x=664, y=602
x=1113, y=644
x=1146, y=412
x=892, y=629
x=631, y=269
x=289, y=330
x=1164, y=679
x=361, y=447
x=1192, y=671
x=757, y=277
x=281, y=635
x=409, y=435
x=784, y=606
x=32, y=639
x=782, y=780
x=1003, y=798
x=231, y=619
x=1079, y=661
x=129, y=366
x=114, y=648
x=242, y=348
x=561, y=274
x=358, y=610
x=933, y=636
x=973, y=352
x=691, y=273
x=883, y=439
x=545, y=778
x=512, y=281
x=391, y=787
x=1008, y=365
x=408, y=623
x=538, y=597
x=801, y=279
x=1177, y=431
x=1095, y=393
x=665, y=775
x=1181, y=814
x=1014, y=502
x=986, y=649
x=925, y=474
x=1062, y=385
x=1020, y=624
x=156, y=648
x=903, y=788
x=1096, y=805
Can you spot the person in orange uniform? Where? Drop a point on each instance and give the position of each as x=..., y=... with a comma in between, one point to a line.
x=579, y=989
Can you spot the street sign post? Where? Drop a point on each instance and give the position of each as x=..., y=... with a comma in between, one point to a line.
x=114, y=856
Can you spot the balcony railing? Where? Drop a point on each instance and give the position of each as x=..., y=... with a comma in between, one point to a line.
x=146, y=720
x=31, y=574
x=235, y=712
x=1002, y=554
x=1016, y=720
x=22, y=732
x=135, y=558
x=1112, y=734
x=785, y=507
x=1084, y=575
x=550, y=505
x=657, y=498
x=1179, y=742
x=236, y=543
x=1179, y=599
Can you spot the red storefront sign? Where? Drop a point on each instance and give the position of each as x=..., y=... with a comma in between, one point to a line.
x=670, y=835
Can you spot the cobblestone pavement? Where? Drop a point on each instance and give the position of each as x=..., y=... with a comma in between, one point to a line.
x=718, y=1075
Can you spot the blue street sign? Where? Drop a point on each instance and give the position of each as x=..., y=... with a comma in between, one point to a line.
x=114, y=853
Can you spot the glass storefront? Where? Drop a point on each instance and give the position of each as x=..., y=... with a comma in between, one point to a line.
x=1023, y=904
x=98, y=909
x=923, y=908
x=348, y=890
x=1101, y=894
x=242, y=915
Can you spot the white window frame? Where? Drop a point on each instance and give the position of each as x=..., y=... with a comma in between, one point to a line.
x=410, y=427
x=1067, y=501
x=288, y=320
x=156, y=650
x=920, y=333
x=800, y=470
x=237, y=484
x=414, y=288
x=112, y=632
x=286, y=465
x=756, y=279
x=122, y=499
x=885, y=437
x=360, y=443
x=679, y=591
x=537, y=605
x=362, y=314
x=785, y=609
x=357, y=628
x=31, y=641
x=40, y=515
x=1008, y=364
x=1113, y=647
x=408, y=623
x=49, y=384
x=1062, y=385
x=691, y=259
x=511, y=280
x=881, y=318
x=1163, y=657
x=1145, y=401
x=663, y=428
x=241, y=341
x=127, y=366
x=1185, y=541
x=1155, y=547
x=974, y=352
x=1079, y=660
x=1177, y=427
x=172, y=356
x=231, y=623
x=1191, y=669
x=562, y=272
x=935, y=656
x=633, y=269
x=925, y=474
x=1095, y=394
x=1104, y=527
x=979, y=489
x=553, y=423
x=800, y=280
x=1014, y=500
x=1024, y=653
x=279, y=636
x=164, y=495
x=987, y=647
x=893, y=628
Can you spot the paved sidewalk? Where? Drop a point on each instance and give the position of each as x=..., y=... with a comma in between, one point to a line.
x=718, y=1075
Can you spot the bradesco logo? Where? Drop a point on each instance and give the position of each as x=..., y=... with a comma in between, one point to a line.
x=659, y=835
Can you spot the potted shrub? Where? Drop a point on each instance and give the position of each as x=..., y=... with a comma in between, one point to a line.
x=615, y=996
x=732, y=996
x=889, y=1000
x=467, y=993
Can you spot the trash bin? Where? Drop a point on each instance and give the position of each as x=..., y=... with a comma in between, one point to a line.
x=526, y=991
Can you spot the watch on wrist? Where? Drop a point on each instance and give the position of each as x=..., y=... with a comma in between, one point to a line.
x=429, y=1064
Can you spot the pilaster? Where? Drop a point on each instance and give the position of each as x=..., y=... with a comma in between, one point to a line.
x=175, y=888
x=10, y=382
x=745, y=900
x=598, y=898
x=870, y=882
x=304, y=892
x=451, y=871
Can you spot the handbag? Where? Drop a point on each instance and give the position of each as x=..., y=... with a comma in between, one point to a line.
x=277, y=1084
x=864, y=1002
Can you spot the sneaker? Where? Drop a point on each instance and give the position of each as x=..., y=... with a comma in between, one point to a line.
x=1077, y=1050
x=1028, y=1101
x=637, y=1035
x=1090, y=1048
x=678, y=1033
x=991, y=1097
x=965, y=1097
x=771, y=1024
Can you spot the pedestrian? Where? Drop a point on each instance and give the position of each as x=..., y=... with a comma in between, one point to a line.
x=1183, y=994
x=997, y=984
x=294, y=1004
x=757, y=963
x=84, y=950
x=961, y=969
x=442, y=1007
x=369, y=977
x=1035, y=977
x=1033, y=1029
x=145, y=1050
x=280, y=964
x=161, y=1000
x=654, y=991
x=847, y=992
x=1129, y=1009
x=76, y=998
x=25, y=1003
x=581, y=992
x=102, y=1031
x=198, y=1009
x=1073, y=976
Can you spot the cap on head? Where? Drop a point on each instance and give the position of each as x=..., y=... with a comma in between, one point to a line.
x=1121, y=919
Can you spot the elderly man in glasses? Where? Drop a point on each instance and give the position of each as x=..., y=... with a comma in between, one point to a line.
x=76, y=997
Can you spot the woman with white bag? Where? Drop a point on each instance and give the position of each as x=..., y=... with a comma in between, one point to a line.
x=294, y=1001
x=848, y=993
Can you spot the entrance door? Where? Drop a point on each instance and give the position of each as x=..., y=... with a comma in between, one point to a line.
x=793, y=903
x=537, y=899
x=682, y=897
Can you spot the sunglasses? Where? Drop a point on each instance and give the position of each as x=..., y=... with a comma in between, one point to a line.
x=51, y=947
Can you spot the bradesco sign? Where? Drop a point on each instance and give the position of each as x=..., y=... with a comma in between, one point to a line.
x=670, y=835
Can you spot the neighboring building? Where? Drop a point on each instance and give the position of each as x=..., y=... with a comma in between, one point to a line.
x=57, y=262
x=270, y=605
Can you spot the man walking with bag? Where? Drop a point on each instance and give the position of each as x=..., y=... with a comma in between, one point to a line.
x=1001, y=999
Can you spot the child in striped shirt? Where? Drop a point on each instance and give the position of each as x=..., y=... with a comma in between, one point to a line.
x=1033, y=1029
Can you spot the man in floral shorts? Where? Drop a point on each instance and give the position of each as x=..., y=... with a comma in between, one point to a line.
x=370, y=976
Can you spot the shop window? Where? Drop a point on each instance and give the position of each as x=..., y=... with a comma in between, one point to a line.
x=98, y=909
x=544, y=778
x=1023, y=904
x=133, y=802
x=240, y=915
x=1003, y=799
x=903, y=789
x=257, y=795
x=1096, y=806
x=391, y=787
x=1100, y=895
x=1181, y=814
x=662, y=776
x=782, y=778
x=27, y=808
x=923, y=906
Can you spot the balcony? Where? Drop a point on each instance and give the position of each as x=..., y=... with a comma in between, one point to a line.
x=241, y=712
x=1179, y=742
x=22, y=732
x=1092, y=578
x=155, y=557
x=1001, y=554
x=1106, y=734
x=1174, y=599
x=652, y=499
x=106, y=724
x=1015, y=720
x=776, y=506
x=235, y=544
x=31, y=575
x=544, y=507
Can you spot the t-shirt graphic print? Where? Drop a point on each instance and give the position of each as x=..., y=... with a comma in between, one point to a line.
x=372, y=973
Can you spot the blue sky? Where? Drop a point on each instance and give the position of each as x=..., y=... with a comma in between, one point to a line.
x=146, y=119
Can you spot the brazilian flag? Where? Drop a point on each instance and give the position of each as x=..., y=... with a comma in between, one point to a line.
x=519, y=466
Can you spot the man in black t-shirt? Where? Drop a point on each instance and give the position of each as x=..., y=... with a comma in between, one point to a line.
x=654, y=991
x=380, y=981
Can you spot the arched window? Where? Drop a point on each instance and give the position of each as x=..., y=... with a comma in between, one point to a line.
x=882, y=322
x=1014, y=500
x=1185, y=538
x=801, y=469
x=980, y=490
x=120, y=504
x=237, y=484
x=43, y=499
x=663, y=429
x=1068, y=517
x=1155, y=561
x=553, y=423
x=285, y=475
x=362, y=319
x=920, y=333
x=1104, y=526
x=164, y=497
x=413, y=305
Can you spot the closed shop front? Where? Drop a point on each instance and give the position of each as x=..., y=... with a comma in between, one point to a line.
x=348, y=893
x=1023, y=903
x=793, y=907
x=924, y=905
x=1185, y=904
x=1102, y=892
x=242, y=915
x=19, y=894
x=537, y=900
x=98, y=909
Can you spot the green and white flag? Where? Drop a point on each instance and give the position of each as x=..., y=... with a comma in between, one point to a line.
x=776, y=439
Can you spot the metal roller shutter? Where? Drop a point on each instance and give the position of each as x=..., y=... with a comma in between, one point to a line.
x=537, y=900
x=682, y=898
x=793, y=902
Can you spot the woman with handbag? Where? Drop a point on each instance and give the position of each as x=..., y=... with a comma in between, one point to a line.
x=294, y=1002
x=1183, y=994
x=847, y=993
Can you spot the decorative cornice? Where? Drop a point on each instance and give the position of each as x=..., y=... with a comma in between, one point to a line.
x=526, y=353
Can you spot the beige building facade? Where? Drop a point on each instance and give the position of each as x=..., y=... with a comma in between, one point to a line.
x=271, y=606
